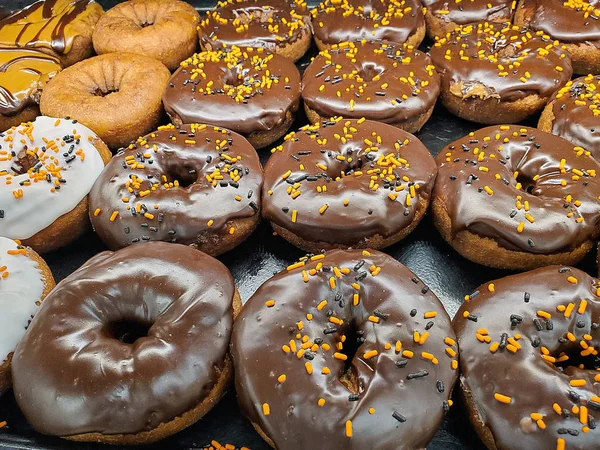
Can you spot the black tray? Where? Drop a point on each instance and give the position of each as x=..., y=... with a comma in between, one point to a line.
x=448, y=274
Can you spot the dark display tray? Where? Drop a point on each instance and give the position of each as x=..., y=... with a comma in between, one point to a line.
x=424, y=251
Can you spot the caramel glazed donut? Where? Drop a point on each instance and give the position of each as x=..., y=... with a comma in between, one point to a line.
x=249, y=91
x=130, y=348
x=525, y=196
x=497, y=73
x=347, y=183
x=529, y=360
x=327, y=357
x=25, y=280
x=59, y=28
x=397, y=21
x=162, y=29
x=47, y=168
x=118, y=95
x=279, y=26
x=194, y=185
x=383, y=82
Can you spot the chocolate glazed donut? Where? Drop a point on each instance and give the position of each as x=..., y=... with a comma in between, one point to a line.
x=197, y=185
x=527, y=197
x=529, y=360
x=130, y=348
x=345, y=350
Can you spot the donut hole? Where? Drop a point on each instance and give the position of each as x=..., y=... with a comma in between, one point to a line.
x=354, y=338
x=576, y=360
x=527, y=183
x=233, y=78
x=128, y=330
x=99, y=92
x=370, y=71
x=185, y=175
x=23, y=162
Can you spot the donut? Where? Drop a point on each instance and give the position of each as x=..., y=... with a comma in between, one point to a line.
x=23, y=75
x=529, y=366
x=571, y=114
x=161, y=29
x=60, y=28
x=130, y=348
x=444, y=16
x=525, y=196
x=393, y=84
x=573, y=22
x=279, y=26
x=395, y=21
x=495, y=73
x=3, y=13
x=197, y=185
x=326, y=356
x=369, y=189
x=250, y=91
x=47, y=168
x=25, y=280
x=118, y=95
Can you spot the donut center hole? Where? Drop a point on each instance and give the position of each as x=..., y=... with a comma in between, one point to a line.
x=527, y=183
x=23, y=162
x=184, y=175
x=99, y=92
x=232, y=78
x=354, y=339
x=128, y=331
x=575, y=359
x=147, y=23
x=370, y=72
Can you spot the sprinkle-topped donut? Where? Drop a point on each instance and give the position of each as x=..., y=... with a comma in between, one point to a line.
x=62, y=28
x=526, y=196
x=198, y=185
x=343, y=183
x=280, y=26
x=528, y=355
x=344, y=350
x=397, y=21
x=573, y=113
x=392, y=84
x=47, y=167
x=249, y=91
x=497, y=73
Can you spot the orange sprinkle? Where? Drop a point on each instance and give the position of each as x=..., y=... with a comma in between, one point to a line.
x=321, y=402
x=340, y=356
x=266, y=409
x=502, y=398
x=349, y=428
x=370, y=354
x=577, y=383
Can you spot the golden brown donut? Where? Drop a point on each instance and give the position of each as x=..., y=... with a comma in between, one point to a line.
x=117, y=95
x=25, y=280
x=162, y=29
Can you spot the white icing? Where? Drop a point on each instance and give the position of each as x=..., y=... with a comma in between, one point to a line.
x=19, y=292
x=39, y=207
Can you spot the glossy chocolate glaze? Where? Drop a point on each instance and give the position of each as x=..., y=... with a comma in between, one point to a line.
x=495, y=179
x=23, y=74
x=544, y=307
x=330, y=170
x=496, y=60
x=265, y=24
x=246, y=91
x=573, y=118
x=181, y=185
x=337, y=21
x=73, y=375
x=406, y=383
x=380, y=86
x=470, y=11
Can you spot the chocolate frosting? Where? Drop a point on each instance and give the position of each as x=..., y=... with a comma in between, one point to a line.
x=290, y=339
x=465, y=12
x=573, y=118
x=72, y=374
x=181, y=185
x=246, y=91
x=265, y=24
x=337, y=21
x=3, y=13
x=23, y=74
x=496, y=60
x=556, y=312
x=379, y=81
x=319, y=184
x=526, y=189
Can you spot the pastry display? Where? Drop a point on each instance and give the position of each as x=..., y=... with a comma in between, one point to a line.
x=326, y=346
x=130, y=348
x=347, y=183
x=163, y=30
x=47, y=168
x=198, y=185
x=118, y=95
x=25, y=280
x=529, y=366
x=525, y=196
x=397, y=85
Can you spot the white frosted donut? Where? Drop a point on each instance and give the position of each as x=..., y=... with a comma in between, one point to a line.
x=46, y=168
